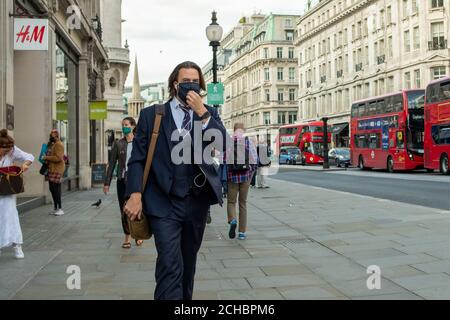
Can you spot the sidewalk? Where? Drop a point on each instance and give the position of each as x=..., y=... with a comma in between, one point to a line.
x=312, y=168
x=304, y=243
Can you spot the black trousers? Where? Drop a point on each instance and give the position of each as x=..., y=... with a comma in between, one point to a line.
x=178, y=239
x=121, y=189
x=55, y=190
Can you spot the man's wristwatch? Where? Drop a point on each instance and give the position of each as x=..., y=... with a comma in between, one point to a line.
x=205, y=116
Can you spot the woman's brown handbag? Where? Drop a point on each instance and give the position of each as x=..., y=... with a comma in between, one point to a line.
x=141, y=229
x=11, y=181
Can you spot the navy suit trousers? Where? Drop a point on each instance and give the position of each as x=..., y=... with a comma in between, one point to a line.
x=178, y=238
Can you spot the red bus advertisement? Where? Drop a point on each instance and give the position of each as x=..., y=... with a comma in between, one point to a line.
x=387, y=132
x=308, y=137
x=437, y=126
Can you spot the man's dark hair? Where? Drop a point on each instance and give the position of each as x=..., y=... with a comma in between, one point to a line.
x=174, y=76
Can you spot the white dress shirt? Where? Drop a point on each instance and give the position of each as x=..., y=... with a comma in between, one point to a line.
x=178, y=114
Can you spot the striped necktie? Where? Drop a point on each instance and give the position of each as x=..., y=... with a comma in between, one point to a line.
x=187, y=123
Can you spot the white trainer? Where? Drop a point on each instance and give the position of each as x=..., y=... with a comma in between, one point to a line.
x=18, y=252
x=59, y=213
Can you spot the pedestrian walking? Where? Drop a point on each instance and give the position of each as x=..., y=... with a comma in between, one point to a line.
x=120, y=156
x=239, y=178
x=263, y=164
x=178, y=195
x=10, y=231
x=55, y=161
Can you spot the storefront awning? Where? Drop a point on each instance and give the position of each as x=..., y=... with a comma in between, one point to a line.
x=337, y=129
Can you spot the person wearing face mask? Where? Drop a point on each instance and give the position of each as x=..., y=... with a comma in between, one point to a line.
x=178, y=194
x=120, y=155
x=10, y=231
x=56, y=167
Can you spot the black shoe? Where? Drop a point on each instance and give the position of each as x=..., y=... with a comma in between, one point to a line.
x=208, y=220
x=233, y=226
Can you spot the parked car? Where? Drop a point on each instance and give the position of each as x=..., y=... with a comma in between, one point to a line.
x=290, y=155
x=340, y=157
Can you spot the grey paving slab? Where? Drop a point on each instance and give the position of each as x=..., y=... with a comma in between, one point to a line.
x=285, y=281
x=261, y=262
x=253, y=294
x=339, y=273
x=14, y=274
x=401, y=272
x=232, y=273
x=286, y=270
x=398, y=260
x=436, y=293
x=395, y=296
x=358, y=288
x=311, y=293
x=426, y=281
x=442, y=266
x=221, y=284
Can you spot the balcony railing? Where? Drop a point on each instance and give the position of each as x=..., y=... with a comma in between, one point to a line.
x=381, y=59
x=359, y=67
x=437, y=44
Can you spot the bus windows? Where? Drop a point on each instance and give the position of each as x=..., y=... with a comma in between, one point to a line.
x=433, y=93
x=400, y=140
x=416, y=100
x=389, y=105
x=381, y=107
x=362, y=110
x=373, y=108
x=291, y=131
x=444, y=92
x=354, y=111
x=398, y=103
x=361, y=141
x=441, y=134
x=375, y=141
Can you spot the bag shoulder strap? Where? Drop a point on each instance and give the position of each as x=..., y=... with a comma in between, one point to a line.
x=160, y=113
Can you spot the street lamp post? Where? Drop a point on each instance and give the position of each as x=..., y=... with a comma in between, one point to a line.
x=326, y=159
x=214, y=33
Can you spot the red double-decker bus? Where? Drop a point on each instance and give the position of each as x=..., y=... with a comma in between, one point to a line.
x=387, y=132
x=437, y=126
x=308, y=137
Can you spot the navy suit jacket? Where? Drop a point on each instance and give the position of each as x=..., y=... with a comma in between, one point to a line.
x=156, y=197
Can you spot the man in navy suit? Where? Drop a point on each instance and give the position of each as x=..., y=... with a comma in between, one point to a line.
x=178, y=195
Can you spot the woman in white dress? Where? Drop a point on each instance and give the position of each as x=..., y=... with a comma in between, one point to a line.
x=10, y=231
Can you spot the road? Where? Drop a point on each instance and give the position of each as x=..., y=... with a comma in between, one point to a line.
x=420, y=188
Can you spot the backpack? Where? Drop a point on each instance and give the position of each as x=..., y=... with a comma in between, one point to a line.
x=236, y=166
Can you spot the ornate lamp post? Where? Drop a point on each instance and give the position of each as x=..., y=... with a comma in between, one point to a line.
x=214, y=33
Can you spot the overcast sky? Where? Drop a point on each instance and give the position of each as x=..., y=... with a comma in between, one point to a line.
x=164, y=33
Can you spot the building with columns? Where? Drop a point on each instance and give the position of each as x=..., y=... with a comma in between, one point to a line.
x=52, y=87
x=261, y=79
x=354, y=49
x=135, y=103
x=116, y=75
x=152, y=93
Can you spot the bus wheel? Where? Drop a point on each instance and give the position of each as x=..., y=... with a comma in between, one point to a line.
x=361, y=163
x=444, y=165
x=390, y=165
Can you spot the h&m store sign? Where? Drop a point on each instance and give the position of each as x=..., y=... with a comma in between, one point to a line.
x=31, y=34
